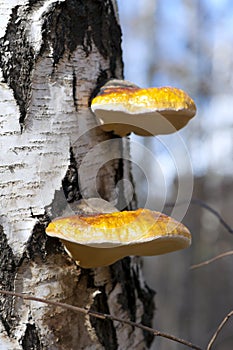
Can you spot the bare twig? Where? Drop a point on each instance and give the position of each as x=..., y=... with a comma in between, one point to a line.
x=206, y=262
x=220, y=327
x=101, y=316
x=206, y=206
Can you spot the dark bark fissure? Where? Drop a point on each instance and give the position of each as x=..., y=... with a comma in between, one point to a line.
x=121, y=271
x=17, y=60
x=131, y=289
x=101, y=80
x=70, y=183
x=146, y=295
x=31, y=338
x=132, y=204
x=105, y=329
x=40, y=245
x=33, y=2
x=75, y=99
x=8, y=265
x=123, y=203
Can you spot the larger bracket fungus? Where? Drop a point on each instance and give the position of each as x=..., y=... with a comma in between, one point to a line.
x=95, y=240
x=123, y=107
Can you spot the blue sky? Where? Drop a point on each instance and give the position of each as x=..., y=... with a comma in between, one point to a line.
x=190, y=49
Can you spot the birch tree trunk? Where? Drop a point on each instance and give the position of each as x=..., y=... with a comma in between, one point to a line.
x=54, y=55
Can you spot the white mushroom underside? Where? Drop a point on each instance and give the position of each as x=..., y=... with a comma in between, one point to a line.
x=90, y=256
x=143, y=122
x=159, y=240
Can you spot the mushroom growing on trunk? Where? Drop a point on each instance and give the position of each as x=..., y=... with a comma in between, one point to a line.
x=123, y=107
x=94, y=240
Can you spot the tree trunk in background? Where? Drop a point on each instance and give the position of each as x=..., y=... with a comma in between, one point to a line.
x=54, y=55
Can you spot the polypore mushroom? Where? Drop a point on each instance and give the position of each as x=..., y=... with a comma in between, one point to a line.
x=101, y=239
x=123, y=107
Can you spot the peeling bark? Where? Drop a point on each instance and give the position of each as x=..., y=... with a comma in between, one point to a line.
x=54, y=56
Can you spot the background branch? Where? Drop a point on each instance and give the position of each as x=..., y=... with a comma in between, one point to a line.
x=206, y=262
x=102, y=316
x=206, y=206
x=220, y=327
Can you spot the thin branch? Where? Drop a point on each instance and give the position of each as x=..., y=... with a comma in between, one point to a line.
x=206, y=206
x=206, y=262
x=214, y=212
x=220, y=327
x=101, y=316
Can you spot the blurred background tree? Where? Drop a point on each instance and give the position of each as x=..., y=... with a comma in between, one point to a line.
x=187, y=44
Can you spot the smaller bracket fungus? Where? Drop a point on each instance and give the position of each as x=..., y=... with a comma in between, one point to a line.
x=101, y=239
x=123, y=107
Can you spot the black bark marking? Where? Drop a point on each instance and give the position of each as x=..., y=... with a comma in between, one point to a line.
x=70, y=182
x=17, y=60
x=77, y=23
x=101, y=80
x=122, y=271
x=74, y=91
x=8, y=265
x=31, y=339
x=40, y=245
x=119, y=175
x=133, y=204
x=105, y=329
x=33, y=2
x=146, y=295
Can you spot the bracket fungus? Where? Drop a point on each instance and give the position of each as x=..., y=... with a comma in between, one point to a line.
x=95, y=240
x=123, y=107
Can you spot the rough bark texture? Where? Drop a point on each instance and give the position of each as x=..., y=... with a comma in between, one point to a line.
x=54, y=56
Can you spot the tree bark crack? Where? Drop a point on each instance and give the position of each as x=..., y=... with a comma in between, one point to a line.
x=8, y=263
x=31, y=338
x=17, y=60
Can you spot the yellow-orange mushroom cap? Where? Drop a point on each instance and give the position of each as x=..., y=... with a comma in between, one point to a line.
x=146, y=112
x=100, y=240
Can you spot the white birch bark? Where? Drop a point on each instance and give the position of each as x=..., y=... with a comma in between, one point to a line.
x=53, y=55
